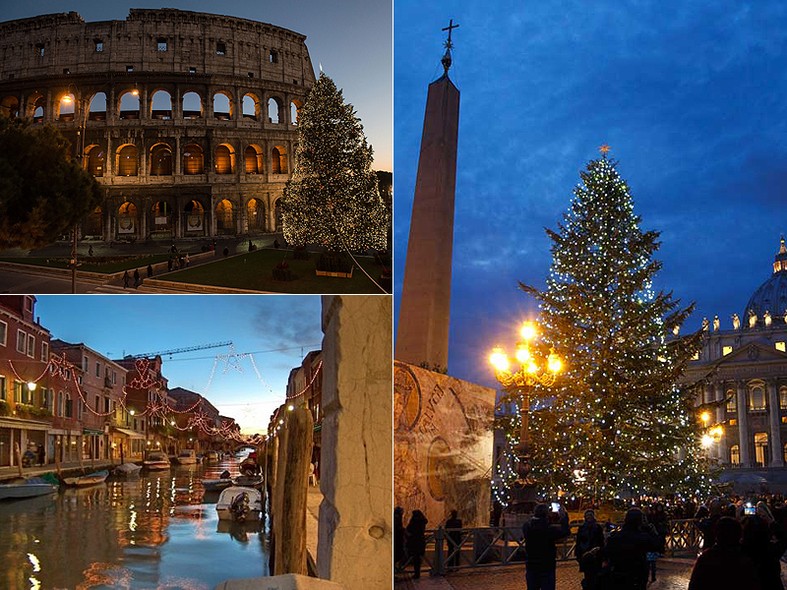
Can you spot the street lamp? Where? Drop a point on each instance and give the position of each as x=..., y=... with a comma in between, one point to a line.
x=532, y=370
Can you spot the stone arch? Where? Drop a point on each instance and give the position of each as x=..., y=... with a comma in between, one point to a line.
x=255, y=214
x=251, y=106
x=97, y=111
x=193, y=159
x=128, y=104
x=222, y=105
x=192, y=105
x=161, y=105
x=224, y=159
x=65, y=107
x=127, y=160
x=225, y=217
x=160, y=160
x=9, y=106
x=194, y=217
x=295, y=110
x=274, y=110
x=95, y=160
x=279, y=160
x=163, y=217
x=94, y=222
x=128, y=219
x=36, y=107
x=254, y=160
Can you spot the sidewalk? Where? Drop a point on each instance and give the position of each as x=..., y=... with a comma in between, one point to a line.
x=8, y=473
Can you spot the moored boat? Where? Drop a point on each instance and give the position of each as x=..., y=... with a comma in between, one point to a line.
x=29, y=488
x=187, y=457
x=239, y=504
x=127, y=469
x=211, y=456
x=216, y=485
x=90, y=479
x=249, y=481
x=156, y=462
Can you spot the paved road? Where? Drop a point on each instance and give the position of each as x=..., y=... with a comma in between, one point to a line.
x=24, y=282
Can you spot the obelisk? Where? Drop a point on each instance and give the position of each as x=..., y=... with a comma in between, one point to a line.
x=424, y=312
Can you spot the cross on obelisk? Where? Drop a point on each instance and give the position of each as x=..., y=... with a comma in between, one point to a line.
x=449, y=28
x=446, y=61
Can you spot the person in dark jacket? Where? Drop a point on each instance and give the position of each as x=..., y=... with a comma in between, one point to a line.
x=764, y=541
x=626, y=553
x=590, y=540
x=540, y=547
x=398, y=537
x=416, y=540
x=453, y=527
x=707, y=525
x=723, y=566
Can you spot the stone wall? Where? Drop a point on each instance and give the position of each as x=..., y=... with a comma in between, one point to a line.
x=442, y=445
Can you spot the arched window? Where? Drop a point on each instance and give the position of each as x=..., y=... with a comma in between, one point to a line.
x=192, y=105
x=295, y=110
x=95, y=160
x=195, y=216
x=251, y=107
x=225, y=219
x=255, y=213
x=732, y=401
x=98, y=107
x=60, y=409
x=253, y=160
x=735, y=455
x=127, y=161
x=761, y=449
x=279, y=160
x=161, y=160
x=222, y=107
x=162, y=216
x=65, y=107
x=161, y=105
x=127, y=219
x=757, y=398
x=783, y=398
x=193, y=159
x=225, y=160
x=129, y=104
x=273, y=110
x=9, y=107
x=35, y=107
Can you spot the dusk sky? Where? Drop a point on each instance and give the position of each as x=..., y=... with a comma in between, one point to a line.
x=690, y=96
x=278, y=330
x=350, y=38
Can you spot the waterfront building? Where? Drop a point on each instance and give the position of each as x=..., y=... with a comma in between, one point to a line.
x=187, y=120
x=190, y=408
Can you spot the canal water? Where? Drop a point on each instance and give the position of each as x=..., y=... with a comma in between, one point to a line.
x=157, y=530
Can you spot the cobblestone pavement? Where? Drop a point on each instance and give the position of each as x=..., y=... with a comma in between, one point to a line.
x=672, y=574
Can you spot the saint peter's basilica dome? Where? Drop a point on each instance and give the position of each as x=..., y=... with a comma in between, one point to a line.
x=771, y=296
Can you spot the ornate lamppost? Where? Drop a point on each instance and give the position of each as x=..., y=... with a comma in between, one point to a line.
x=532, y=370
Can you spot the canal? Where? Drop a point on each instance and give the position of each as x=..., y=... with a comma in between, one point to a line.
x=157, y=530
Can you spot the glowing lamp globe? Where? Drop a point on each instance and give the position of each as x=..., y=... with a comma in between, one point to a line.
x=528, y=331
x=499, y=360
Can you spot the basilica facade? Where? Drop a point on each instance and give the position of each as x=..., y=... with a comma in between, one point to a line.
x=187, y=120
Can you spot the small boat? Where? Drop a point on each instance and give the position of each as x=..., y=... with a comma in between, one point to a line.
x=29, y=488
x=187, y=457
x=90, y=479
x=239, y=504
x=216, y=485
x=127, y=469
x=249, y=481
x=211, y=456
x=249, y=465
x=156, y=462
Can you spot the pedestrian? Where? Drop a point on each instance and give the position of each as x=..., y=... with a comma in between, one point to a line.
x=657, y=518
x=453, y=527
x=416, y=540
x=150, y=270
x=276, y=243
x=400, y=552
x=723, y=565
x=590, y=541
x=169, y=264
x=626, y=553
x=187, y=259
x=90, y=250
x=540, y=546
x=764, y=541
x=137, y=280
x=707, y=525
x=126, y=279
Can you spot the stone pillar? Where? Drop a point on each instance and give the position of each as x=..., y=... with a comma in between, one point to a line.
x=743, y=426
x=723, y=446
x=774, y=422
x=355, y=529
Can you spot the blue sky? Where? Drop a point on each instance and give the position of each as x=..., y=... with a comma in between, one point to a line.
x=350, y=38
x=689, y=95
x=262, y=324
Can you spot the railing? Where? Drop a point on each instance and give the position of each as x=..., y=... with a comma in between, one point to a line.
x=500, y=546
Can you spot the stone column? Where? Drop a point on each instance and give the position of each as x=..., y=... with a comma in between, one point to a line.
x=743, y=426
x=723, y=446
x=774, y=422
x=355, y=529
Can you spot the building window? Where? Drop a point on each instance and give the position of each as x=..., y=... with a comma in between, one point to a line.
x=735, y=455
x=3, y=333
x=761, y=449
x=780, y=346
x=40, y=49
x=725, y=350
x=3, y=394
x=69, y=409
x=99, y=45
x=21, y=341
x=31, y=346
x=98, y=369
x=85, y=364
x=161, y=45
x=129, y=69
x=192, y=70
x=221, y=48
x=732, y=401
x=273, y=57
x=757, y=399
x=19, y=392
x=696, y=356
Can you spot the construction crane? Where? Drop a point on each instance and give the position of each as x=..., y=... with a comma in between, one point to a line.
x=178, y=350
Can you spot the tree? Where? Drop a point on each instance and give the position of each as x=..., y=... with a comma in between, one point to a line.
x=617, y=420
x=332, y=197
x=43, y=191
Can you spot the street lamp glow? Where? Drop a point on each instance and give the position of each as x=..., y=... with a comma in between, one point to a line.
x=707, y=440
x=528, y=331
x=290, y=408
x=554, y=364
x=31, y=386
x=132, y=412
x=522, y=353
x=705, y=417
x=499, y=360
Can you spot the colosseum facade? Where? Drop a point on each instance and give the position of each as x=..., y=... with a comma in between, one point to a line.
x=187, y=120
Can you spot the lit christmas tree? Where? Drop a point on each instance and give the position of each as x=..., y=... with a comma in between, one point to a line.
x=616, y=422
x=332, y=198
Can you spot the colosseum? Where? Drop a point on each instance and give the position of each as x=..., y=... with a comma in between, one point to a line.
x=187, y=120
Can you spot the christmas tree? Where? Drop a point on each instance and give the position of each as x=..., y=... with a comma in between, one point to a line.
x=332, y=198
x=617, y=421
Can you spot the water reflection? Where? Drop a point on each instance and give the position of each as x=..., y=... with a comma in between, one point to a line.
x=156, y=531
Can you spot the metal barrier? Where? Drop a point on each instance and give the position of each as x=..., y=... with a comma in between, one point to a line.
x=467, y=548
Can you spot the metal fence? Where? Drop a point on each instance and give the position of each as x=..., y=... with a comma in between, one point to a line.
x=501, y=546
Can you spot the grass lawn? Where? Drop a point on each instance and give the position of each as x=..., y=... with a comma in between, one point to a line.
x=254, y=271
x=116, y=264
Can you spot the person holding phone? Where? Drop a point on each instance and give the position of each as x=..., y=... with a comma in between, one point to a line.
x=541, y=539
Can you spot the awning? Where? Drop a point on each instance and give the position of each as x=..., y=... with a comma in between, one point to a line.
x=24, y=424
x=92, y=431
x=128, y=433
